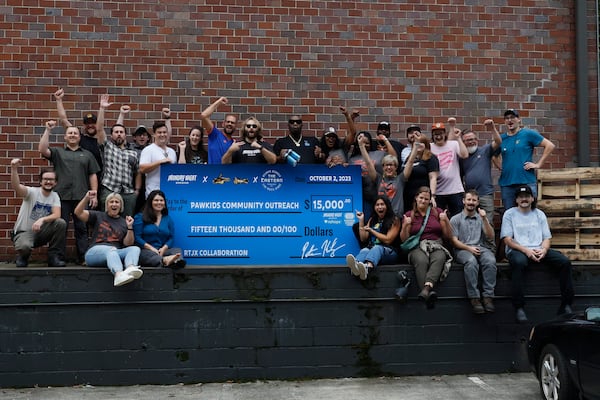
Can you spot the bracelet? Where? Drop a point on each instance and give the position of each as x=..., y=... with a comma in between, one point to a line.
x=129, y=229
x=167, y=117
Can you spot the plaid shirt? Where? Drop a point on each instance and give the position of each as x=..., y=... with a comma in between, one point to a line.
x=120, y=168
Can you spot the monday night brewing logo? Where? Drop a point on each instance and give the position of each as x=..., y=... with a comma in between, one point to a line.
x=270, y=180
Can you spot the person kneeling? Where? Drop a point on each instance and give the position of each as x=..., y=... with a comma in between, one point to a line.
x=380, y=232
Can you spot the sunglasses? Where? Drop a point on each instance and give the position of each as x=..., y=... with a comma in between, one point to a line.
x=295, y=121
x=251, y=126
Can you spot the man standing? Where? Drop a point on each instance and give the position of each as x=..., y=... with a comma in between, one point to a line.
x=412, y=132
x=448, y=147
x=517, y=148
x=477, y=167
x=252, y=150
x=218, y=141
x=88, y=139
x=76, y=170
x=384, y=128
x=471, y=236
x=526, y=234
x=120, y=166
x=307, y=147
x=39, y=220
x=156, y=154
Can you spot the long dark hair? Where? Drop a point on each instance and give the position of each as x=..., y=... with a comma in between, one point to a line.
x=189, y=152
x=148, y=215
x=388, y=218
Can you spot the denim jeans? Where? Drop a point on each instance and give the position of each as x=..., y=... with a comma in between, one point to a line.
x=102, y=255
x=555, y=260
x=378, y=255
x=486, y=262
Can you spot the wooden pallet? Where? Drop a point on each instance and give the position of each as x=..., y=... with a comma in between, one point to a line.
x=570, y=198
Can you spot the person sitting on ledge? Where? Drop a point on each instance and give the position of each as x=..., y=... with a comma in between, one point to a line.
x=380, y=233
x=39, y=220
x=526, y=234
x=112, y=241
x=432, y=261
x=154, y=231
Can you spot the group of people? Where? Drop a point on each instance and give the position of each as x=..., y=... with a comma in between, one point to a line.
x=449, y=215
x=431, y=198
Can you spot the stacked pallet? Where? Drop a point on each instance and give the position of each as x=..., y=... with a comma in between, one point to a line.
x=570, y=198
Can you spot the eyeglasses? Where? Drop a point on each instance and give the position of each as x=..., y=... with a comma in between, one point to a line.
x=295, y=121
x=251, y=126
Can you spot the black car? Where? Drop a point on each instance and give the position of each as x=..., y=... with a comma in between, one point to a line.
x=565, y=356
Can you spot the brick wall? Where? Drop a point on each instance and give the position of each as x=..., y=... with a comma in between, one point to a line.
x=407, y=63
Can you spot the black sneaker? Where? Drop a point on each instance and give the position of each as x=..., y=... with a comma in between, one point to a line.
x=55, y=262
x=564, y=309
x=22, y=261
x=520, y=316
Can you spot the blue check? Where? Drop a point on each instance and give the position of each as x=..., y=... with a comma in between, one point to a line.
x=249, y=214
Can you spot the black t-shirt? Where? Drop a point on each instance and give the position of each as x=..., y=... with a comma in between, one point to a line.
x=306, y=148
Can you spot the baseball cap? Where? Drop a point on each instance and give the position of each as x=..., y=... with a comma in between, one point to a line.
x=511, y=111
x=413, y=128
x=523, y=189
x=383, y=125
x=89, y=118
x=139, y=130
x=438, y=126
x=330, y=131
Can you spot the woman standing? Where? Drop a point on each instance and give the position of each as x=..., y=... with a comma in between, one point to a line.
x=191, y=150
x=154, y=231
x=426, y=168
x=430, y=258
x=112, y=239
x=380, y=232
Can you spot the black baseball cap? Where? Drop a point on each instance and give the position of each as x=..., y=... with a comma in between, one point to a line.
x=413, y=128
x=89, y=118
x=511, y=111
x=523, y=189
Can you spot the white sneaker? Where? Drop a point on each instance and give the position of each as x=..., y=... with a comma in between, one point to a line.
x=351, y=262
x=134, y=271
x=363, y=270
x=122, y=278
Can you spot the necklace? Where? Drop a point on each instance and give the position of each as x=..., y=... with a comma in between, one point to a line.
x=297, y=142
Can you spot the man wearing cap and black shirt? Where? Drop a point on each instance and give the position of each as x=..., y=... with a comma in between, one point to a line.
x=384, y=129
x=307, y=147
x=526, y=234
x=88, y=136
x=517, y=148
x=141, y=139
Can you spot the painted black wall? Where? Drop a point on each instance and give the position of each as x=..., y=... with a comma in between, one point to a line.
x=71, y=326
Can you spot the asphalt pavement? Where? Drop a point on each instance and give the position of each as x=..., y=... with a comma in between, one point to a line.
x=520, y=386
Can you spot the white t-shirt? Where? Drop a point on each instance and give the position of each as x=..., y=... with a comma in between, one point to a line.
x=448, y=181
x=153, y=153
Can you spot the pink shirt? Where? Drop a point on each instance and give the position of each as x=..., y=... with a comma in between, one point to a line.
x=448, y=181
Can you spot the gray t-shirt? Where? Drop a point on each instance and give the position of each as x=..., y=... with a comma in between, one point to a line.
x=469, y=230
x=477, y=170
x=35, y=206
x=527, y=229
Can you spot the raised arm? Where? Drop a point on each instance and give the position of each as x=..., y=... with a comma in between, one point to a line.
x=44, y=145
x=368, y=162
x=454, y=134
x=62, y=114
x=124, y=110
x=100, y=133
x=166, y=115
x=80, y=210
x=20, y=190
x=207, y=124
x=408, y=166
x=351, y=135
x=496, y=138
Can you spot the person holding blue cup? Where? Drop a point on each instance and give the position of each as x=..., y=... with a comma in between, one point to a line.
x=295, y=148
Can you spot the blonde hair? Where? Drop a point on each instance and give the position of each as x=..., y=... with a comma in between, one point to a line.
x=115, y=196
